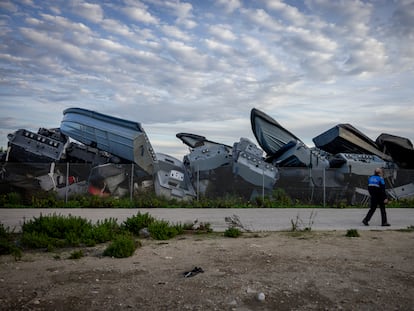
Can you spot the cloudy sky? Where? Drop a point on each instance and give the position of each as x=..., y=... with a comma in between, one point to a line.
x=201, y=66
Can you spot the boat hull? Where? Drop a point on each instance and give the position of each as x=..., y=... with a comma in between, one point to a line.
x=123, y=138
x=344, y=138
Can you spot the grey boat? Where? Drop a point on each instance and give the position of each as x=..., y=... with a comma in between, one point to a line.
x=126, y=139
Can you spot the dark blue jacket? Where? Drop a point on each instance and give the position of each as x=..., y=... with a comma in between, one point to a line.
x=376, y=187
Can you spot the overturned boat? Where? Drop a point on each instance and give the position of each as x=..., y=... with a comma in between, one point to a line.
x=218, y=169
x=171, y=179
x=303, y=171
x=283, y=148
x=208, y=164
x=250, y=165
x=204, y=154
x=126, y=139
x=345, y=138
x=44, y=146
x=399, y=148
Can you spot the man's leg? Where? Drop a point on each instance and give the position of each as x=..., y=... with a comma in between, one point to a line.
x=373, y=207
x=384, y=221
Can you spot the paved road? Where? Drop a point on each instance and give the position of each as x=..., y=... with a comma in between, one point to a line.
x=259, y=219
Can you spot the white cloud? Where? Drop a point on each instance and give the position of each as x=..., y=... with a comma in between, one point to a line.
x=347, y=14
x=290, y=13
x=186, y=55
x=366, y=56
x=222, y=32
x=263, y=59
x=59, y=24
x=140, y=14
x=54, y=45
x=179, y=66
x=116, y=27
x=175, y=32
x=8, y=6
x=183, y=12
x=261, y=18
x=219, y=47
x=229, y=5
x=90, y=11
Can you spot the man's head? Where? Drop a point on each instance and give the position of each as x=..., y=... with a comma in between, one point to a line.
x=378, y=171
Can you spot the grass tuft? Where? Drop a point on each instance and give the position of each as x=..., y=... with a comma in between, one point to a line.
x=232, y=232
x=352, y=233
x=123, y=246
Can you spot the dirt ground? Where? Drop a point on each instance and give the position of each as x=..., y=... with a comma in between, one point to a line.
x=294, y=271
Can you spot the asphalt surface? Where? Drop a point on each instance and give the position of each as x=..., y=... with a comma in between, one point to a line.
x=254, y=219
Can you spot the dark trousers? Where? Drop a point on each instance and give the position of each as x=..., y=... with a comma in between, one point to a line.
x=375, y=201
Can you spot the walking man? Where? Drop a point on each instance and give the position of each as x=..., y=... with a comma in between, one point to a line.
x=376, y=188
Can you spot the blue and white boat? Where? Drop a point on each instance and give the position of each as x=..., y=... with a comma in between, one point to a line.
x=123, y=138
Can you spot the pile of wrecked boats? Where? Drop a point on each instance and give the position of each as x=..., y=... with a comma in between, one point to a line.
x=107, y=156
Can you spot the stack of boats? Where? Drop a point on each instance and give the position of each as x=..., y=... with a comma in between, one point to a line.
x=108, y=156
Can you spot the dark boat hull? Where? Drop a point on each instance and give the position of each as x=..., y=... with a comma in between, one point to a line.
x=344, y=138
x=399, y=148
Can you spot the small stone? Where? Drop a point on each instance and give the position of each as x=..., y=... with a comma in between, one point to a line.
x=261, y=296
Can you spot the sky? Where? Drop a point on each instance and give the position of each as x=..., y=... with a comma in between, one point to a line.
x=200, y=66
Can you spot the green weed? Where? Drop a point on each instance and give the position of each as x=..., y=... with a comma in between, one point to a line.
x=7, y=245
x=123, y=246
x=162, y=230
x=60, y=231
x=135, y=223
x=281, y=198
x=408, y=229
x=352, y=233
x=76, y=254
x=105, y=230
x=232, y=232
x=299, y=225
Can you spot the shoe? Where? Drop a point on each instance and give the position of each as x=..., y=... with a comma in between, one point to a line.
x=193, y=272
x=365, y=223
x=386, y=225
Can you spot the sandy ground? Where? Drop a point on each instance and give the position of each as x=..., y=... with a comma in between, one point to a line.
x=294, y=271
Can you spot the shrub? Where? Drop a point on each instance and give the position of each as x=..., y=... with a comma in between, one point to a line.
x=352, y=233
x=11, y=199
x=41, y=240
x=59, y=227
x=281, y=198
x=105, y=230
x=232, y=232
x=7, y=245
x=408, y=229
x=76, y=254
x=3, y=231
x=123, y=246
x=162, y=230
x=135, y=223
x=60, y=231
